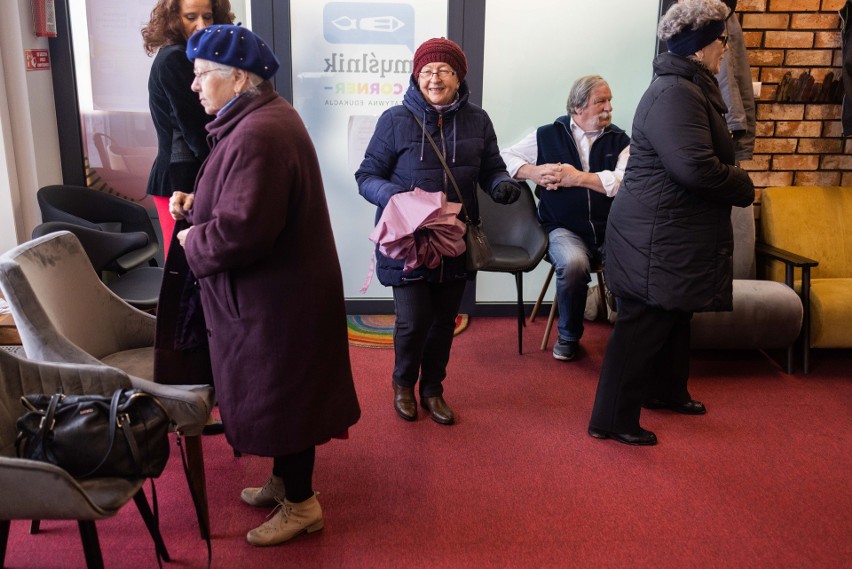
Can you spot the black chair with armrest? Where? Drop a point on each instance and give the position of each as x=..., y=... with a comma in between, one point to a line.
x=101, y=211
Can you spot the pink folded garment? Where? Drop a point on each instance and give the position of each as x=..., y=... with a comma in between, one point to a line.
x=420, y=227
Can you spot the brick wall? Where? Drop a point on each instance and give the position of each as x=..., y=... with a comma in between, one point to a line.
x=797, y=143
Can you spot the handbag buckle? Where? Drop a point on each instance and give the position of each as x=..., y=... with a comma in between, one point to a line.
x=43, y=419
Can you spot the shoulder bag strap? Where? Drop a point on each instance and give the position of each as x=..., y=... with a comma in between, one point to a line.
x=113, y=423
x=446, y=167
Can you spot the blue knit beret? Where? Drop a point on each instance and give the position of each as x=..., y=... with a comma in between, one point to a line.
x=689, y=41
x=234, y=46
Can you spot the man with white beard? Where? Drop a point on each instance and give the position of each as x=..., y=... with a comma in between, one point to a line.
x=577, y=164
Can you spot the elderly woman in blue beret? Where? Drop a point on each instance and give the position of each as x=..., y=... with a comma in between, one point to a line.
x=260, y=236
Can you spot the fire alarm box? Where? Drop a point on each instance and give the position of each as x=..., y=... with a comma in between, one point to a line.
x=44, y=18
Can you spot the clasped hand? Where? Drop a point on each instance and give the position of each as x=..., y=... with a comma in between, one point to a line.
x=553, y=176
x=179, y=204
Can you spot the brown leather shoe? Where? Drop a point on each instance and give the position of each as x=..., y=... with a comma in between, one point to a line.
x=404, y=402
x=438, y=409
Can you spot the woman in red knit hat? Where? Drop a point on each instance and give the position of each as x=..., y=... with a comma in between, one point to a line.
x=400, y=158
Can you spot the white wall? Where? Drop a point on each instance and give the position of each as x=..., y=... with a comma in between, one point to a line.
x=30, y=146
x=534, y=54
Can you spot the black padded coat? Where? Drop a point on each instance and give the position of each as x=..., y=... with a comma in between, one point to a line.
x=179, y=120
x=669, y=239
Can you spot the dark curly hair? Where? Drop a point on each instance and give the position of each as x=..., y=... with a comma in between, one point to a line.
x=166, y=28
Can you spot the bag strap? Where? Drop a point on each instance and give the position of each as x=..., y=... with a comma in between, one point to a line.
x=45, y=425
x=113, y=423
x=48, y=422
x=446, y=168
x=123, y=420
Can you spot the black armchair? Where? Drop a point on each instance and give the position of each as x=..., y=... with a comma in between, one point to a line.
x=517, y=239
x=101, y=211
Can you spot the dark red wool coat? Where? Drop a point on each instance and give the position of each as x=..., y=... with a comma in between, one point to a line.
x=271, y=287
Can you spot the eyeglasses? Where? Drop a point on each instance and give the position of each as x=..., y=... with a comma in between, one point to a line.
x=441, y=73
x=199, y=75
x=723, y=39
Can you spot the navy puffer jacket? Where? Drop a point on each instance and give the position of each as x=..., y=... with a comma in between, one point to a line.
x=669, y=240
x=399, y=158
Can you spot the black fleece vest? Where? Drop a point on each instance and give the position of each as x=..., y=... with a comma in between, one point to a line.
x=579, y=210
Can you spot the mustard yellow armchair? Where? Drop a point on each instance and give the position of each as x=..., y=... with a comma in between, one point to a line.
x=815, y=222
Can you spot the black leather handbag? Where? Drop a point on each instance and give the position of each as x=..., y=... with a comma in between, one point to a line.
x=91, y=436
x=478, y=250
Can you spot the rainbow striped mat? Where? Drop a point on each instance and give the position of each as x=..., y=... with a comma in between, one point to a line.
x=376, y=331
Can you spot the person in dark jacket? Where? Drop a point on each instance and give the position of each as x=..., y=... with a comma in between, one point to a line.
x=399, y=158
x=735, y=84
x=178, y=118
x=577, y=164
x=260, y=236
x=669, y=236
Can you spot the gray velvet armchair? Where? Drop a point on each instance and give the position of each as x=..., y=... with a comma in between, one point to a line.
x=767, y=315
x=64, y=313
x=35, y=490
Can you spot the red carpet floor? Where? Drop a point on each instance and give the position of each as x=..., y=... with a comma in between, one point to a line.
x=763, y=480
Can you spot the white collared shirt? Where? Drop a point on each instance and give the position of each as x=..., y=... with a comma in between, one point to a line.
x=526, y=152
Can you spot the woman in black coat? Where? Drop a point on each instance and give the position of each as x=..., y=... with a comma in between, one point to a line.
x=179, y=119
x=669, y=237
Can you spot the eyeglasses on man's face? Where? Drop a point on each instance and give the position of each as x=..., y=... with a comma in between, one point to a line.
x=441, y=73
x=724, y=39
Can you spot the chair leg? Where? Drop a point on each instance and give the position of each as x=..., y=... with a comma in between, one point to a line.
x=519, y=285
x=91, y=546
x=602, y=310
x=197, y=482
x=806, y=319
x=541, y=295
x=35, y=525
x=550, y=317
x=4, y=539
x=151, y=524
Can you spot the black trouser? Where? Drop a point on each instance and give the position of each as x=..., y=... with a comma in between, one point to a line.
x=297, y=470
x=423, y=335
x=647, y=357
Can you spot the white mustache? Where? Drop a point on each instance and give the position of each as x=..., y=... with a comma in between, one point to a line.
x=605, y=115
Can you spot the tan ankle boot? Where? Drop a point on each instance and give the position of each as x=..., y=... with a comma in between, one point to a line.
x=288, y=521
x=266, y=496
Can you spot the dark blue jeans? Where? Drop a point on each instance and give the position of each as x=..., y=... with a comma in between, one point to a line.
x=423, y=334
x=571, y=259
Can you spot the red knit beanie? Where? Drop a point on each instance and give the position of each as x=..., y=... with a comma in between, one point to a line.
x=440, y=49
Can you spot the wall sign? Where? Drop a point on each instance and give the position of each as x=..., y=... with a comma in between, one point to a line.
x=351, y=62
x=37, y=59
